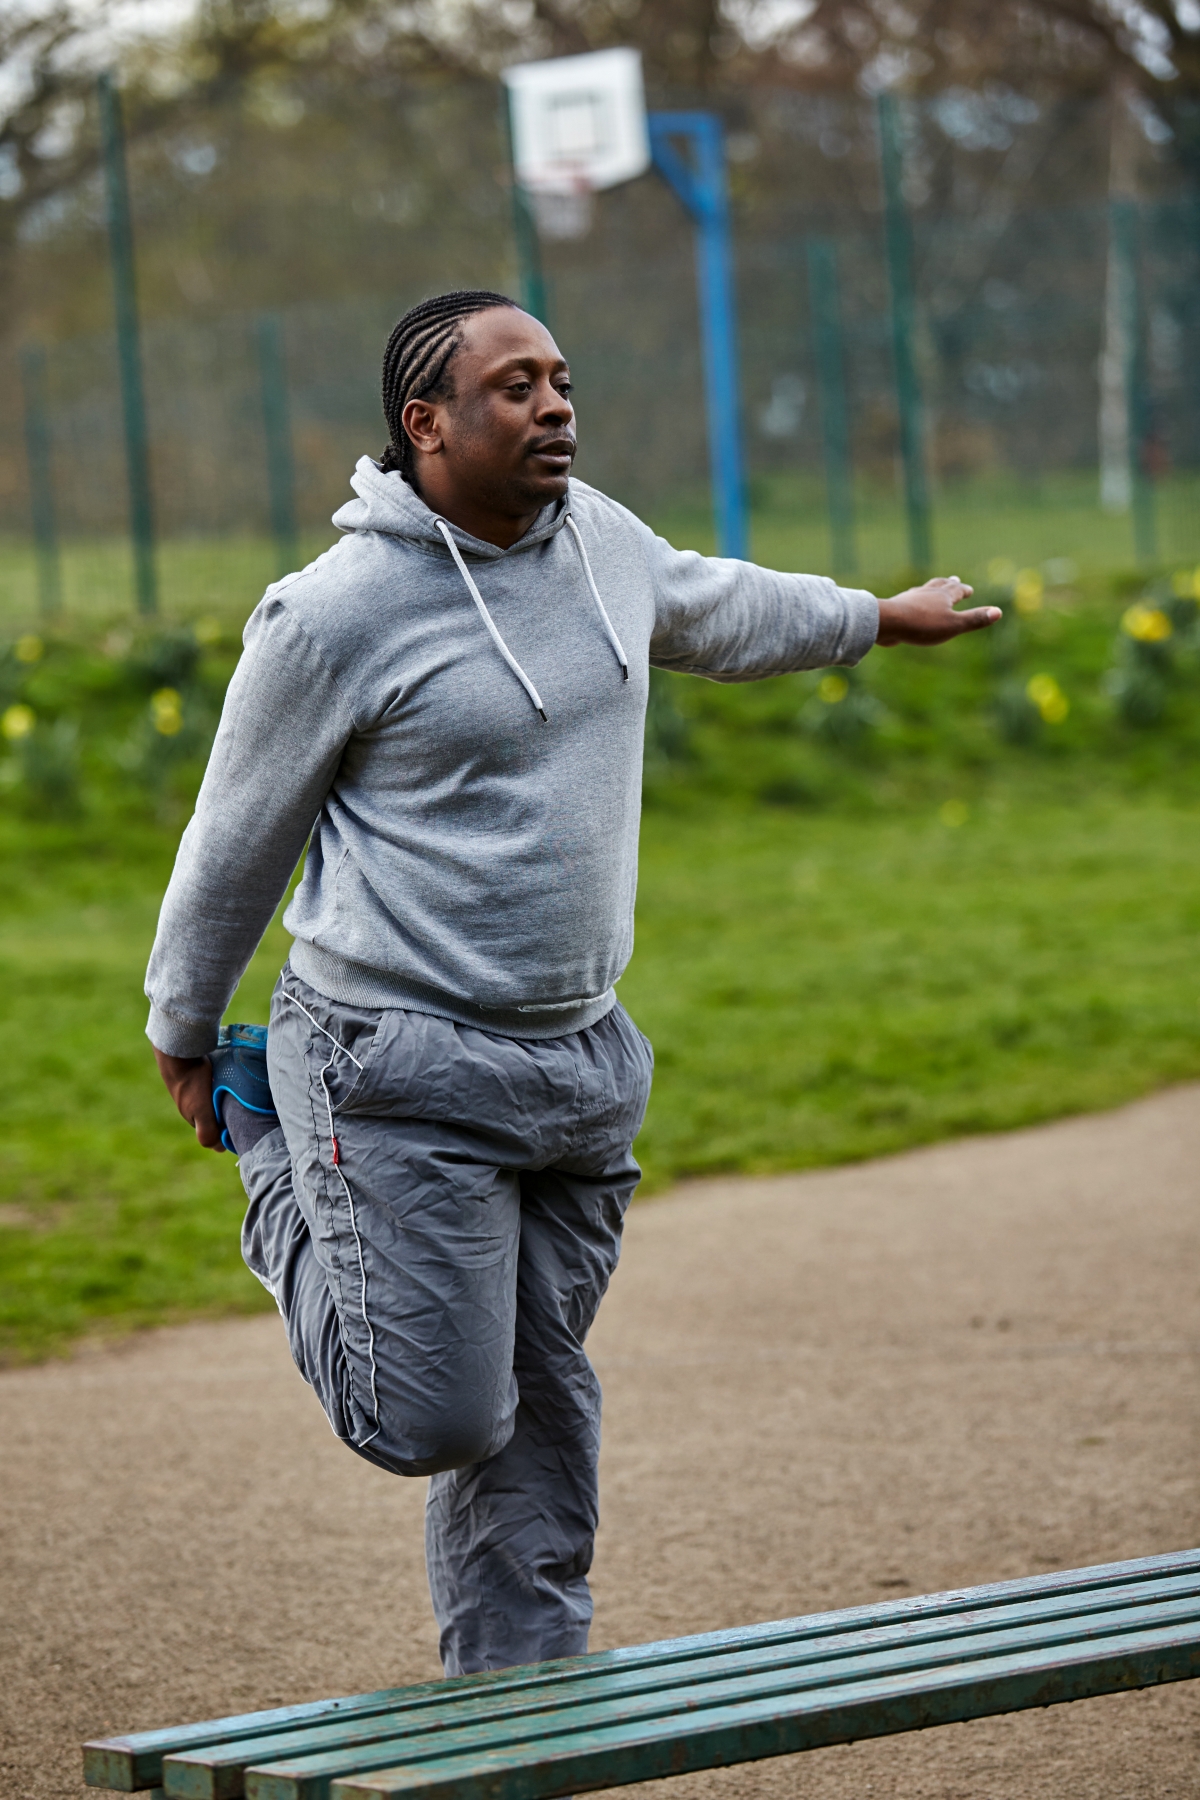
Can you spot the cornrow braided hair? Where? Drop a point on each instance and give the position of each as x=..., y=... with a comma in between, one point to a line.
x=417, y=357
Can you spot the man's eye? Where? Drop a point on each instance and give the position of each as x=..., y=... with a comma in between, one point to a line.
x=565, y=387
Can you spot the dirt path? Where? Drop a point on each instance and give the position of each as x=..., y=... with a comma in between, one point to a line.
x=968, y=1363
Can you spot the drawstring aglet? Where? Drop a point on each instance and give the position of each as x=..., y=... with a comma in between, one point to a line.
x=336, y=1157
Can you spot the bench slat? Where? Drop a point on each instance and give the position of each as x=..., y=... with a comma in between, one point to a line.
x=217, y=1773
x=134, y=1762
x=311, y=1778
x=623, y=1753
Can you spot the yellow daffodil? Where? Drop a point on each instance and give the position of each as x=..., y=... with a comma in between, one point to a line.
x=1049, y=698
x=1028, y=590
x=1148, y=624
x=166, y=710
x=17, y=723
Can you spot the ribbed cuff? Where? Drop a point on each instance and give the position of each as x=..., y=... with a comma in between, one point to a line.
x=862, y=625
x=179, y=1037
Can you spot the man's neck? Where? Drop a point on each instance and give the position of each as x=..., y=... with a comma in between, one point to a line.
x=480, y=521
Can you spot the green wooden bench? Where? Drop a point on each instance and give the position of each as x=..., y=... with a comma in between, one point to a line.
x=624, y=1716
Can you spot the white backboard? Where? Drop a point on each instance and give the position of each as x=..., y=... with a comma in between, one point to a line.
x=578, y=122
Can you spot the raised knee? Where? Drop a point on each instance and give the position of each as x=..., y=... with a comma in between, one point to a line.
x=443, y=1444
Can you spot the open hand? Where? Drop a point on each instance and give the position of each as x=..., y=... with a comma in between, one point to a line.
x=926, y=615
x=189, y=1082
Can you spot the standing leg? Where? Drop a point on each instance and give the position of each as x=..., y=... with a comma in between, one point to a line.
x=508, y=1541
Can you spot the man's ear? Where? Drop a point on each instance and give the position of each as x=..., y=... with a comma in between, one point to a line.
x=420, y=420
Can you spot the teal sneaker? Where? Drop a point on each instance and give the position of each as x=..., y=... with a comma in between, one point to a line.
x=239, y=1071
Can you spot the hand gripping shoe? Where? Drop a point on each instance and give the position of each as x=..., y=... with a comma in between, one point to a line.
x=239, y=1070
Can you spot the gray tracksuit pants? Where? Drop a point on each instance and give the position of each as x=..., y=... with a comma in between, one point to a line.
x=438, y=1274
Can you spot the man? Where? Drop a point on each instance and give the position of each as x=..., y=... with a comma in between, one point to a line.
x=448, y=707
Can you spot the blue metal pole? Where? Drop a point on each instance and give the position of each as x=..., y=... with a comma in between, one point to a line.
x=701, y=185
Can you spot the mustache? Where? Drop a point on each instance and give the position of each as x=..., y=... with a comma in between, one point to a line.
x=552, y=440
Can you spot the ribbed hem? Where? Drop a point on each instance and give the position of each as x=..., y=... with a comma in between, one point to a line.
x=176, y=1036
x=353, y=984
x=863, y=626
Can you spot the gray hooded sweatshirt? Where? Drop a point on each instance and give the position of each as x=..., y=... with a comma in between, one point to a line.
x=456, y=731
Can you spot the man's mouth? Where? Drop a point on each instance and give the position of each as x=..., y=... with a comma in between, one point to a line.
x=559, y=452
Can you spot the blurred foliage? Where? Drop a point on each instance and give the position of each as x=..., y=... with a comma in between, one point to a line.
x=118, y=719
x=1060, y=687
x=118, y=724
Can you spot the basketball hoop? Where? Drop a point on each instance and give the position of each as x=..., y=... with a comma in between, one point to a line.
x=578, y=124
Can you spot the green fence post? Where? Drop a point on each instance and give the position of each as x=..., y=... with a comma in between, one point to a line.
x=835, y=414
x=1123, y=224
x=277, y=429
x=41, y=480
x=529, y=254
x=133, y=401
x=908, y=393
x=530, y=275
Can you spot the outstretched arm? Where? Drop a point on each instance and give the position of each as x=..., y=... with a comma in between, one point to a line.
x=735, y=621
x=926, y=615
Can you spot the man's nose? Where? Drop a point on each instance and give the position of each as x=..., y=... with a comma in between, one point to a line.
x=555, y=405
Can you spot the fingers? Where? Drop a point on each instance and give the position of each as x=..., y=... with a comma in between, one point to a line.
x=196, y=1105
x=978, y=618
x=194, y=1099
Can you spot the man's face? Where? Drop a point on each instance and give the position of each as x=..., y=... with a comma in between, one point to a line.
x=505, y=437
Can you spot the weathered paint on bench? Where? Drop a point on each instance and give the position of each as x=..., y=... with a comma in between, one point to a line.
x=623, y=1716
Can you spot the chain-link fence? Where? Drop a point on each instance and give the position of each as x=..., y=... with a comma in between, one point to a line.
x=1049, y=336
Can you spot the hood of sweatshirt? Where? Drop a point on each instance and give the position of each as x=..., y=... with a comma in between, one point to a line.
x=388, y=505
x=386, y=502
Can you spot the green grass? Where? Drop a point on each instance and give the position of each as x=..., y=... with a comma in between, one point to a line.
x=818, y=987
x=108, y=1211
x=864, y=922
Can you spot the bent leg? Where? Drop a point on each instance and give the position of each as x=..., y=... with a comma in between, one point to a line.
x=509, y=1541
x=414, y=1230
x=277, y=1247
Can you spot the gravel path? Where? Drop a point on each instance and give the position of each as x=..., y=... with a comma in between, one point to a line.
x=963, y=1364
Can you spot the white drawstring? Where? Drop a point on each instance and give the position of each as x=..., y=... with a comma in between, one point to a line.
x=493, y=630
x=613, y=639
x=486, y=616
x=320, y=1028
